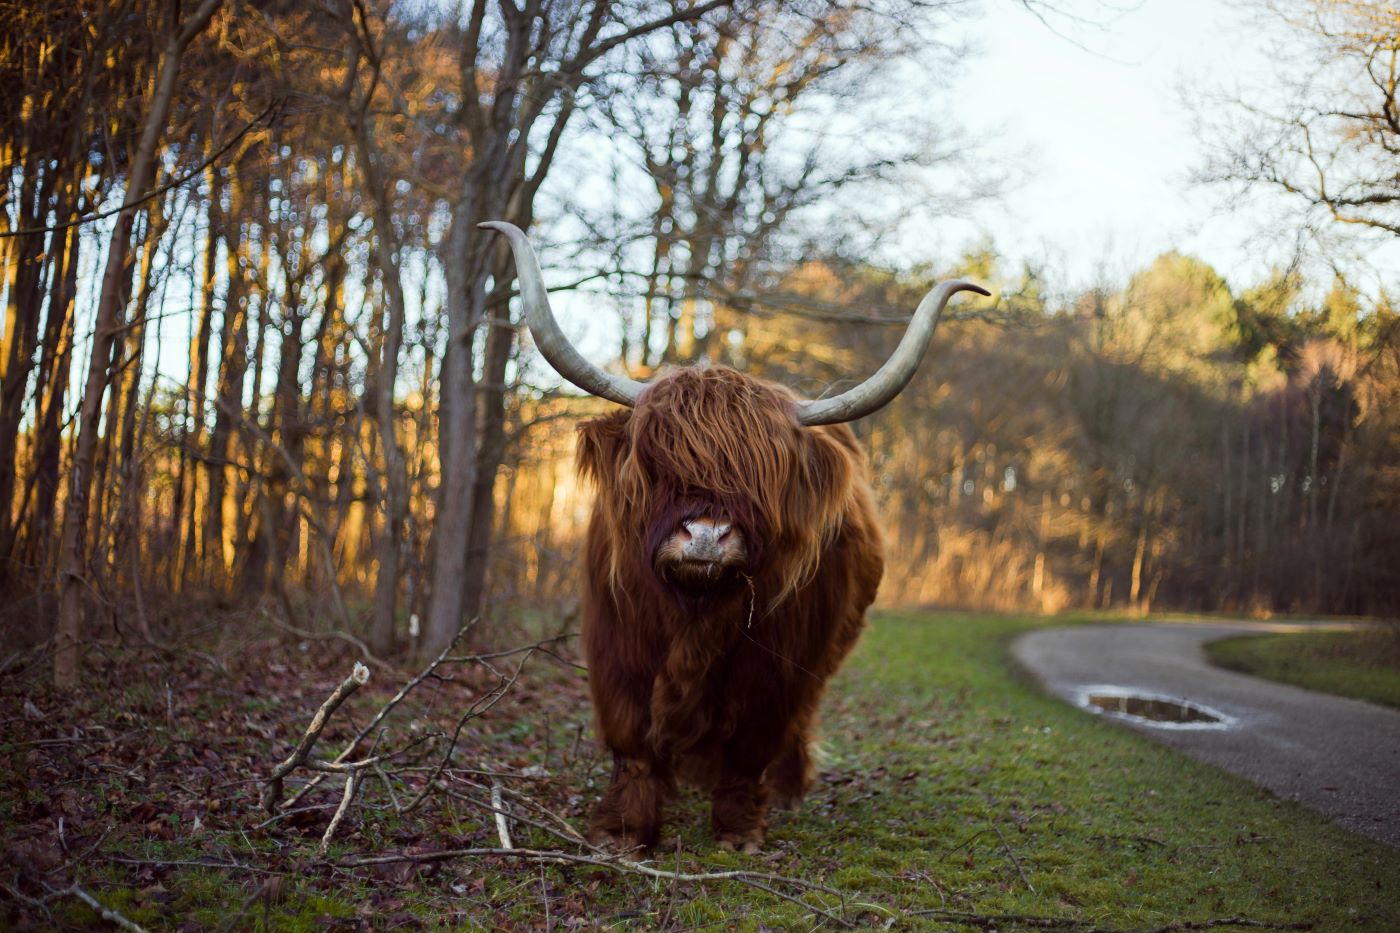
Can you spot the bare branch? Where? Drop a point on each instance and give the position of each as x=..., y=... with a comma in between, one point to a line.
x=273, y=792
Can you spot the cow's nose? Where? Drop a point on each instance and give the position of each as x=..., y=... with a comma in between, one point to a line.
x=708, y=539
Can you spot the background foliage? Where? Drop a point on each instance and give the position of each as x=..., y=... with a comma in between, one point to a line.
x=304, y=389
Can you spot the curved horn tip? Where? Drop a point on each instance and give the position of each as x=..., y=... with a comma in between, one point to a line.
x=500, y=226
x=973, y=287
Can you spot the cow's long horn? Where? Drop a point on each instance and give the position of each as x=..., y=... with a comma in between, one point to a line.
x=554, y=346
x=889, y=380
x=871, y=395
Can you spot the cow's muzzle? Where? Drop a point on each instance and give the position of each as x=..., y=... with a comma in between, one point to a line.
x=702, y=553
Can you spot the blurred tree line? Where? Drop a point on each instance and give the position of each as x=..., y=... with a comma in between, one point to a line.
x=256, y=349
x=1168, y=443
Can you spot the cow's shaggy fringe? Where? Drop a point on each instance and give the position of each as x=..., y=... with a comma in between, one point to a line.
x=717, y=434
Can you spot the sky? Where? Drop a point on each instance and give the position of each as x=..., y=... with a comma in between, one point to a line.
x=1099, y=122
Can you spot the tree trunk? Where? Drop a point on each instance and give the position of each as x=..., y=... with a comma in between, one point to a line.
x=27, y=263
x=228, y=396
x=457, y=441
x=1139, y=558
x=49, y=393
x=249, y=545
x=1096, y=569
x=1038, y=576
x=127, y=509
x=288, y=431
x=500, y=337
x=195, y=399
x=387, y=255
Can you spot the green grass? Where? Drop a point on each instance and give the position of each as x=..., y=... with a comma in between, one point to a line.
x=1104, y=823
x=1364, y=665
x=951, y=785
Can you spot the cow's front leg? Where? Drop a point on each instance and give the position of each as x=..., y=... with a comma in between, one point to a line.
x=629, y=815
x=790, y=775
x=739, y=812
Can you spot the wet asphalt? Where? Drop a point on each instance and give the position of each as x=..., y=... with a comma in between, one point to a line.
x=1337, y=756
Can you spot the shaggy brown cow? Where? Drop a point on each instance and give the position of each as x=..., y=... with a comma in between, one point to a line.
x=732, y=552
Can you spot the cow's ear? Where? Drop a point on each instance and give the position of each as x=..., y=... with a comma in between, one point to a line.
x=833, y=458
x=602, y=446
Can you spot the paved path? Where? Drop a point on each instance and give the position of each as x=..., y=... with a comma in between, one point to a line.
x=1338, y=756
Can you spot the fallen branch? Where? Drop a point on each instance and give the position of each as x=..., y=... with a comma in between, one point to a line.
x=332, y=635
x=568, y=834
x=374, y=764
x=762, y=881
x=293, y=811
x=22, y=898
x=502, y=820
x=352, y=783
x=1014, y=861
x=564, y=829
x=1073, y=925
x=192, y=863
x=481, y=706
x=1181, y=925
x=106, y=913
x=272, y=794
x=379, y=717
x=966, y=842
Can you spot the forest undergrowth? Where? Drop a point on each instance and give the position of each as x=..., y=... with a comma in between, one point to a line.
x=952, y=796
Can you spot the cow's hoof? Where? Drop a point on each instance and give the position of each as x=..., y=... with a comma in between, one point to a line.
x=629, y=847
x=787, y=802
x=749, y=843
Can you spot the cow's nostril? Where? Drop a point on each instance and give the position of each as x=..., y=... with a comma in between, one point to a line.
x=723, y=533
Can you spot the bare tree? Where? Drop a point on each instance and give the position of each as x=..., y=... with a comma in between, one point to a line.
x=73, y=547
x=1324, y=135
x=741, y=127
x=359, y=92
x=523, y=70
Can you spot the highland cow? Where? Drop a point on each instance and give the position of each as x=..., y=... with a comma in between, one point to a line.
x=732, y=552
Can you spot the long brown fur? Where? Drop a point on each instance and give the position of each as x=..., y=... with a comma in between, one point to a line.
x=722, y=692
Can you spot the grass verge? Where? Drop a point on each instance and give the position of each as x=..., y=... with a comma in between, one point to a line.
x=954, y=797
x=1363, y=665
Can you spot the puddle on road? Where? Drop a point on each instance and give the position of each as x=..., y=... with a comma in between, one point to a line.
x=1152, y=709
x=1155, y=710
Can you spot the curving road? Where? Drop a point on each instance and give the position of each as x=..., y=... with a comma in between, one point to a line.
x=1338, y=756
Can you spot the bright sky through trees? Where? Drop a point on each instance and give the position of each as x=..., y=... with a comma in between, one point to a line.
x=1100, y=122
